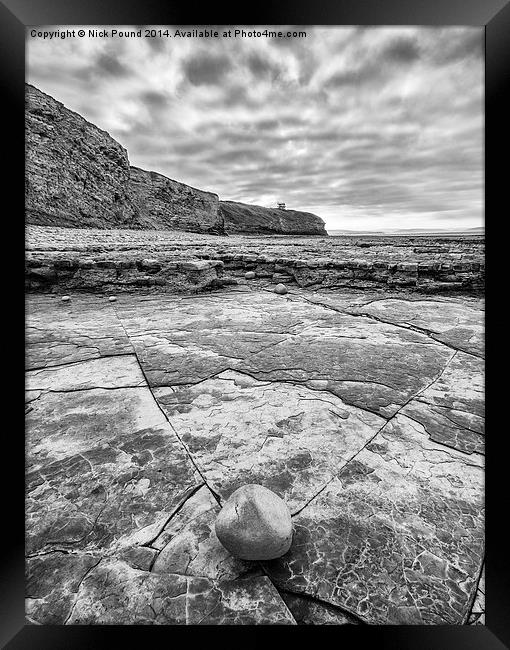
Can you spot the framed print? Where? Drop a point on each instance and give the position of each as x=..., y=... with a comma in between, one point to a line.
x=254, y=323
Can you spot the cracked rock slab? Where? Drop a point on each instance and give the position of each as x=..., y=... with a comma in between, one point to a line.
x=105, y=372
x=452, y=409
x=115, y=593
x=188, y=544
x=52, y=582
x=103, y=467
x=397, y=537
x=84, y=328
x=290, y=439
x=308, y=611
x=371, y=365
x=459, y=325
x=257, y=388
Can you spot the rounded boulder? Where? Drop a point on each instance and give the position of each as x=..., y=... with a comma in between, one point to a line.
x=255, y=524
x=66, y=298
x=250, y=275
x=281, y=289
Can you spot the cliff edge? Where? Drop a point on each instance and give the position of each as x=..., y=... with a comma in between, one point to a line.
x=257, y=220
x=78, y=176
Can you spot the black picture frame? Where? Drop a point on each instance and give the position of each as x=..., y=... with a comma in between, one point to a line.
x=15, y=15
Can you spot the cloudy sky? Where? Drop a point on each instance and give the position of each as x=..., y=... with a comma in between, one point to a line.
x=370, y=128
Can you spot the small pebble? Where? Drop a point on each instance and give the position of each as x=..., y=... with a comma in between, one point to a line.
x=281, y=289
x=255, y=524
x=112, y=298
x=250, y=275
x=65, y=299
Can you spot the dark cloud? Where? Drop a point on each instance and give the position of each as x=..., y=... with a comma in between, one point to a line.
x=206, y=69
x=402, y=50
x=154, y=99
x=369, y=72
x=465, y=46
x=373, y=67
x=157, y=45
x=267, y=125
x=233, y=156
x=262, y=67
x=109, y=64
x=190, y=148
x=236, y=95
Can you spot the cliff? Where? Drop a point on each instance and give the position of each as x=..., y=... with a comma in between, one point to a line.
x=78, y=176
x=254, y=219
x=164, y=204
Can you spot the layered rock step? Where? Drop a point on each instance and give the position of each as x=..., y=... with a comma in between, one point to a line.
x=330, y=273
x=59, y=271
x=113, y=275
x=87, y=259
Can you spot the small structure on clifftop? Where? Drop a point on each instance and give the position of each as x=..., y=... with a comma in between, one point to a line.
x=280, y=206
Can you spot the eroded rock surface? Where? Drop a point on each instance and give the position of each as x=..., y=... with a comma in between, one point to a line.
x=88, y=591
x=287, y=438
x=143, y=598
x=309, y=611
x=102, y=465
x=144, y=415
x=87, y=259
x=397, y=536
x=452, y=408
x=372, y=365
x=458, y=325
x=61, y=333
x=188, y=544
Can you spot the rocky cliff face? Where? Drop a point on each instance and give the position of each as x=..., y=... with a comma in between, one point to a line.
x=254, y=219
x=76, y=174
x=162, y=203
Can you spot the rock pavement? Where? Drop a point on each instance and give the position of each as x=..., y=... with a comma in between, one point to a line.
x=364, y=412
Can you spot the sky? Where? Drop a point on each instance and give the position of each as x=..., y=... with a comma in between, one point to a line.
x=371, y=128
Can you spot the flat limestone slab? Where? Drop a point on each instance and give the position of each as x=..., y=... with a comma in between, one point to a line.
x=450, y=322
x=110, y=592
x=369, y=426
x=397, y=537
x=102, y=466
x=371, y=365
x=104, y=372
x=52, y=581
x=288, y=438
x=452, y=409
x=84, y=328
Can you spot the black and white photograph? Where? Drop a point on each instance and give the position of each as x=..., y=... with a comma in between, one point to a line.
x=254, y=290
